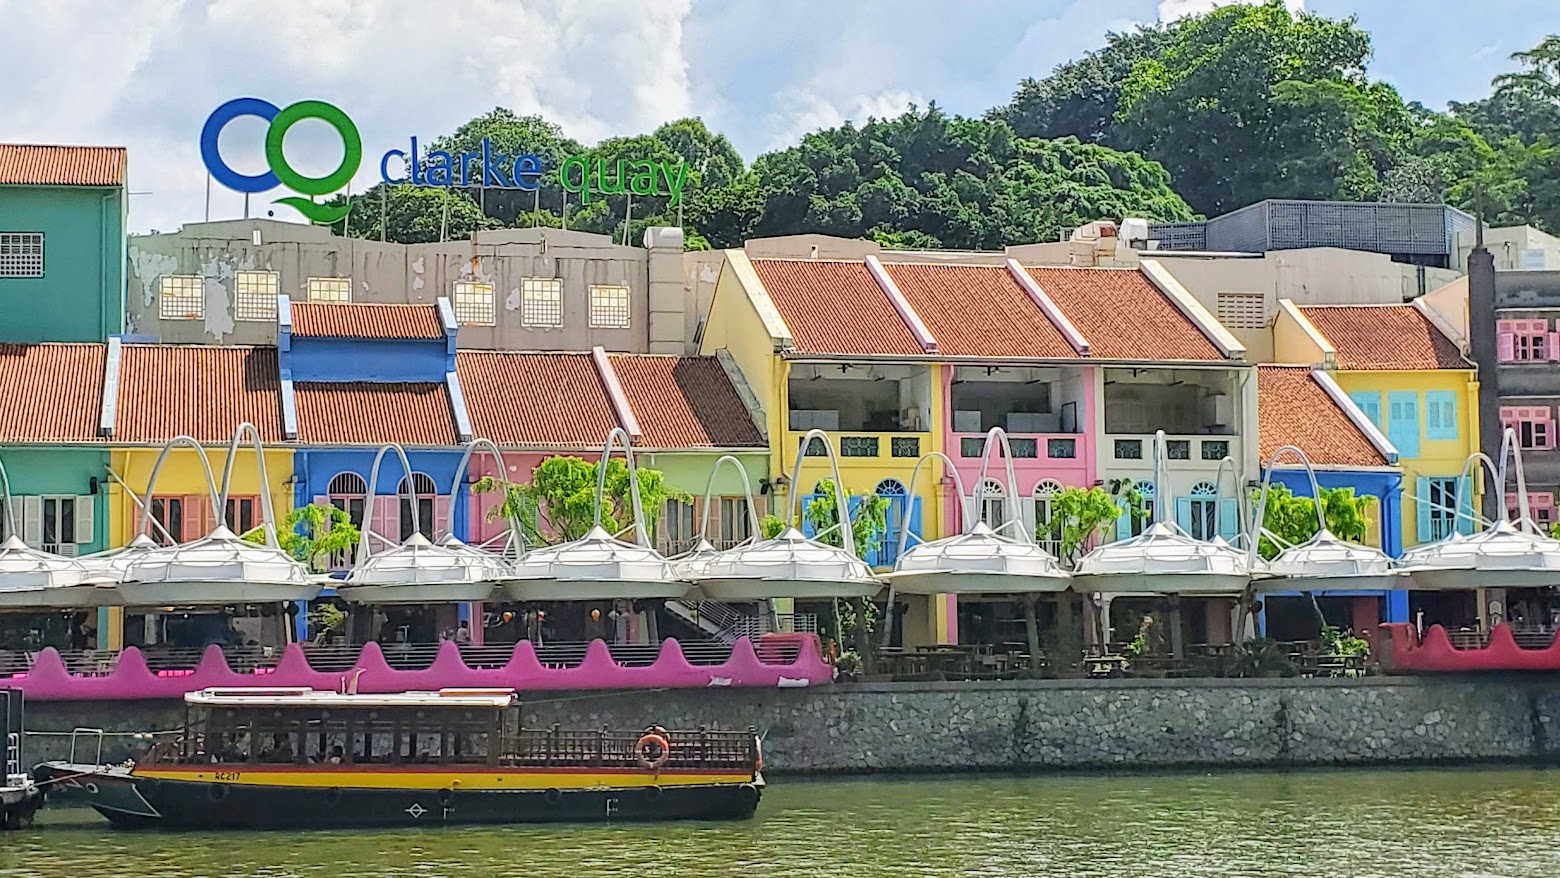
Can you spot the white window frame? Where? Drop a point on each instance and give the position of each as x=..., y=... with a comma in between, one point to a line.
x=541, y=302
x=181, y=297
x=336, y=290
x=254, y=295
x=611, y=306
x=21, y=254
x=38, y=509
x=473, y=303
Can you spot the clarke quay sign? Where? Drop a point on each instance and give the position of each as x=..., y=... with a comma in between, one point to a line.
x=584, y=175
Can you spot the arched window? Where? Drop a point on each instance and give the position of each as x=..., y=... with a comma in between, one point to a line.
x=993, y=504
x=1048, y=528
x=891, y=488
x=1203, y=511
x=420, y=486
x=346, y=492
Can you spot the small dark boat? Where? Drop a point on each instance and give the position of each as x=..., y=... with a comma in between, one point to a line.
x=291, y=758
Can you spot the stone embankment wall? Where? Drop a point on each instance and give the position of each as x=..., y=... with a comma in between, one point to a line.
x=1030, y=725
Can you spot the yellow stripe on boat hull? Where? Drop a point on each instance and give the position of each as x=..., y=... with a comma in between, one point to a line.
x=436, y=779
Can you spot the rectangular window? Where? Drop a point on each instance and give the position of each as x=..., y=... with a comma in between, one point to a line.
x=1243, y=310
x=241, y=514
x=1403, y=422
x=734, y=524
x=21, y=254
x=609, y=306
x=169, y=513
x=330, y=289
x=1541, y=505
x=1534, y=424
x=473, y=303
x=181, y=297
x=1525, y=341
x=58, y=524
x=679, y=529
x=1442, y=511
x=541, y=301
x=1369, y=402
x=1440, y=414
x=254, y=295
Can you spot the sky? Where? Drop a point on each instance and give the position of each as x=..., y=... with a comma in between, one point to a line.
x=146, y=73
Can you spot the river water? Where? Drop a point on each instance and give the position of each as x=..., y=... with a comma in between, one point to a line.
x=1470, y=823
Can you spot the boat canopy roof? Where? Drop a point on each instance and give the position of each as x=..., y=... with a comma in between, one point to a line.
x=285, y=697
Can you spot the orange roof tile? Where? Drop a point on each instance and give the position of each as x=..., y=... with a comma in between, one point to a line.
x=366, y=320
x=1293, y=409
x=51, y=392
x=978, y=311
x=364, y=413
x=200, y=391
x=1122, y=315
x=535, y=399
x=37, y=165
x=684, y=402
x=1384, y=337
x=834, y=307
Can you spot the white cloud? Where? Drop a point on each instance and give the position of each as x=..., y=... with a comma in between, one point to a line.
x=146, y=73
x=1170, y=10
x=805, y=110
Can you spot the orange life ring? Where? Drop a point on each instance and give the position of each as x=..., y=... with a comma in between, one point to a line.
x=643, y=753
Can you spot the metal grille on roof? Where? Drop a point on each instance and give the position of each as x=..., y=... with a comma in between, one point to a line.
x=1283, y=224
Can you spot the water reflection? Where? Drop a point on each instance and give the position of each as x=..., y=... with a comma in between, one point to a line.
x=1316, y=824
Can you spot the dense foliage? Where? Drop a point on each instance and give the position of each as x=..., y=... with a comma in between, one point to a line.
x=1202, y=115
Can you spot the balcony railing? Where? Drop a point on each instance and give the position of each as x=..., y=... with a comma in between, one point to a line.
x=1044, y=446
x=1136, y=447
x=853, y=445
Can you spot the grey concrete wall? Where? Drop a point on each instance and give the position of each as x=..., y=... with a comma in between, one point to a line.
x=1032, y=725
x=414, y=274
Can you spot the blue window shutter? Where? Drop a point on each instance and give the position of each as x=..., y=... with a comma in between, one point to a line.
x=807, y=527
x=1124, y=523
x=1422, y=504
x=1403, y=422
x=1441, y=414
x=915, y=518
x=1465, y=510
x=1183, y=513
x=1369, y=403
x=1229, y=520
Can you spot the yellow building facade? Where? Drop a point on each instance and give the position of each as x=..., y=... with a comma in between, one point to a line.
x=1411, y=380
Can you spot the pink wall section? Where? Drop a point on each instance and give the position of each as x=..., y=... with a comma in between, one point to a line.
x=1080, y=471
x=520, y=465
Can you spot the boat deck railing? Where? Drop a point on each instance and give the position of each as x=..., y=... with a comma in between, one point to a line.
x=702, y=748
x=173, y=661
x=1534, y=637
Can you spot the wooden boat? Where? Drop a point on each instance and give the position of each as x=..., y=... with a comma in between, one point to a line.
x=294, y=758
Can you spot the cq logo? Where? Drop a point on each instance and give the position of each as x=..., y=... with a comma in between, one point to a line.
x=280, y=173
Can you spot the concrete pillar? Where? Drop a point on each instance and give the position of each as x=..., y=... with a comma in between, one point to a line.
x=1481, y=336
x=667, y=301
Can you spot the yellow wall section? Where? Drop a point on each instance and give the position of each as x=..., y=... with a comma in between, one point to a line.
x=1437, y=457
x=183, y=474
x=1292, y=344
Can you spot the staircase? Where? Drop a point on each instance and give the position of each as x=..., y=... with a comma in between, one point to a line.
x=725, y=622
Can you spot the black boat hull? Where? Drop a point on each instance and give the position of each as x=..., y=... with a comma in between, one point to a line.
x=131, y=801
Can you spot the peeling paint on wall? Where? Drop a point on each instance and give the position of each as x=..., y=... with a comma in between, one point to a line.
x=512, y=301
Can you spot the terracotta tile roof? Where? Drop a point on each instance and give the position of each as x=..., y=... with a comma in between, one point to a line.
x=684, y=402
x=366, y=320
x=30, y=165
x=1293, y=409
x=364, y=413
x=1384, y=337
x=528, y=399
x=835, y=307
x=1123, y=315
x=978, y=311
x=200, y=391
x=51, y=392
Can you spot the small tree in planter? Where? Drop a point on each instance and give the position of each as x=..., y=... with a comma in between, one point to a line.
x=1292, y=519
x=313, y=535
x=1078, y=517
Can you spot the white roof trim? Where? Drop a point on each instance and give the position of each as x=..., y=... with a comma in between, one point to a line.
x=1329, y=353
x=923, y=336
x=1048, y=307
x=738, y=263
x=1362, y=423
x=110, y=407
x=615, y=394
x=1193, y=310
